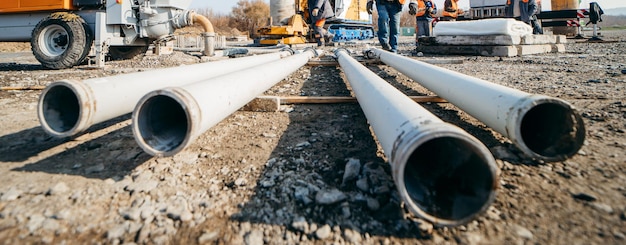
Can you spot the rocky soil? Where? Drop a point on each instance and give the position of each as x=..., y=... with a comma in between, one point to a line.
x=278, y=177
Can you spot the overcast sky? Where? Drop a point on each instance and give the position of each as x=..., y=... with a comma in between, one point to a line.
x=225, y=6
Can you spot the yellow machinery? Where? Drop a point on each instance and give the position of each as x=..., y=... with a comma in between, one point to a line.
x=289, y=20
x=294, y=32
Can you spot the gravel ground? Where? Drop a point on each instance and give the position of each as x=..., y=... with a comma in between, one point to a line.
x=278, y=177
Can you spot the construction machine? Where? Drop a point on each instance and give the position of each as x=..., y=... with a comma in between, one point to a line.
x=290, y=22
x=63, y=33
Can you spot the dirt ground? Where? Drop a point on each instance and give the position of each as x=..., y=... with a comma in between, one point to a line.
x=255, y=177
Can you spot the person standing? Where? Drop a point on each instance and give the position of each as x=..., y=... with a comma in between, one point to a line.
x=320, y=10
x=424, y=11
x=451, y=10
x=524, y=10
x=388, y=22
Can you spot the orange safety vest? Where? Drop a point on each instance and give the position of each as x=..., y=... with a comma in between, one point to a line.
x=455, y=7
x=421, y=7
x=399, y=1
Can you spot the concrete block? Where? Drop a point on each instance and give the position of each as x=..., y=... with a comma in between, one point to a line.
x=472, y=40
x=538, y=39
x=558, y=48
x=533, y=49
x=561, y=39
x=502, y=51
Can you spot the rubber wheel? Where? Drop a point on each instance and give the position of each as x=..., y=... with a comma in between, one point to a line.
x=126, y=52
x=61, y=40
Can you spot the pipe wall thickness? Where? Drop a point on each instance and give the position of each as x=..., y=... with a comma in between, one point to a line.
x=543, y=127
x=166, y=121
x=68, y=107
x=442, y=173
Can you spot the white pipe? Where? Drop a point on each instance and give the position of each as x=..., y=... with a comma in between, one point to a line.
x=68, y=107
x=543, y=127
x=442, y=173
x=165, y=121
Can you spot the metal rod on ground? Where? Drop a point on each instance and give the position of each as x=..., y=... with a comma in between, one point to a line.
x=68, y=107
x=543, y=127
x=166, y=121
x=443, y=174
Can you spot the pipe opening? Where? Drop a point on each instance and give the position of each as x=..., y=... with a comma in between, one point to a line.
x=553, y=130
x=162, y=123
x=60, y=109
x=448, y=178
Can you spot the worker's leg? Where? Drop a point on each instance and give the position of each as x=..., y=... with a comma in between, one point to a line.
x=319, y=31
x=421, y=30
x=395, y=11
x=383, y=24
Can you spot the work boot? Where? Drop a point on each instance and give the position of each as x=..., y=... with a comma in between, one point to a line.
x=329, y=40
x=386, y=47
x=320, y=42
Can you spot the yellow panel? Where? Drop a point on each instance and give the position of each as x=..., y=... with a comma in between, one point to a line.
x=287, y=40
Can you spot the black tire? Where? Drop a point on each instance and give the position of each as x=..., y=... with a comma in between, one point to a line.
x=126, y=52
x=61, y=40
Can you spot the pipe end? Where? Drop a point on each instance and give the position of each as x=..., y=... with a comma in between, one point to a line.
x=445, y=175
x=550, y=129
x=163, y=121
x=65, y=108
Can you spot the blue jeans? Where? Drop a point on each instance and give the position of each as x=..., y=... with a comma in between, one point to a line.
x=388, y=24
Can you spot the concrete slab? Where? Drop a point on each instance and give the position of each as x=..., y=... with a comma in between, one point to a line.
x=533, y=49
x=494, y=40
x=499, y=51
x=558, y=48
x=561, y=39
x=471, y=40
x=538, y=39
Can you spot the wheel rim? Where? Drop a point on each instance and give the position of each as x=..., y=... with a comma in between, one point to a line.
x=54, y=40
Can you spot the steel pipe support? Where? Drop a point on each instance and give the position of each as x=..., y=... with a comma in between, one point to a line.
x=68, y=107
x=166, y=121
x=544, y=128
x=443, y=174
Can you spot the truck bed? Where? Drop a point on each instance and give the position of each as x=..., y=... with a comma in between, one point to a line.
x=22, y=6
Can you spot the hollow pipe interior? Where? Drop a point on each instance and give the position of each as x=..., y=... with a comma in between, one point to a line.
x=163, y=123
x=552, y=130
x=448, y=180
x=60, y=109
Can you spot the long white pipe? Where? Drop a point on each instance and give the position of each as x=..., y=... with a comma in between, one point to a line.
x=442, y=173
x=543, y=127
x=165, y=121
x=68, y=107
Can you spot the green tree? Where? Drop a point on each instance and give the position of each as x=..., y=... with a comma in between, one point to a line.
x=250, y=15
